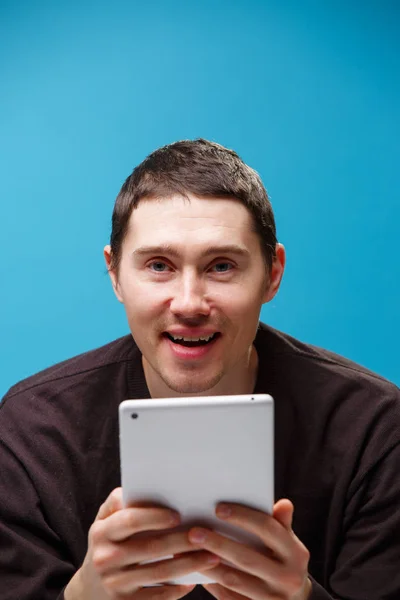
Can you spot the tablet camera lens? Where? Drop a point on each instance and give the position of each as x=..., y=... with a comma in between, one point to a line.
x=134, y=415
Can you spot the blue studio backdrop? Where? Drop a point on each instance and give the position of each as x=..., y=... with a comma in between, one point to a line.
x=308, y=93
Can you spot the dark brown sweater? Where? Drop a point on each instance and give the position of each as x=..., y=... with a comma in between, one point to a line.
x=337, y=458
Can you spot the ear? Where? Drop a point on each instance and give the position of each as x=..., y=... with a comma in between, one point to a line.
x=276, y=274
x=112, y=272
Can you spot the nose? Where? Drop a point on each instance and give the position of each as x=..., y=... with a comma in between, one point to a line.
x=189, y=299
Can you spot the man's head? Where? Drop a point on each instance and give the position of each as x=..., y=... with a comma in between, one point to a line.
x=201, y=168
x=193, y=256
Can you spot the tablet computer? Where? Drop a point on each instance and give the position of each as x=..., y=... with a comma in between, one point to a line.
x=190, y=453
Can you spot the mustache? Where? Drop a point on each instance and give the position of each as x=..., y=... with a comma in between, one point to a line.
x=196, y=321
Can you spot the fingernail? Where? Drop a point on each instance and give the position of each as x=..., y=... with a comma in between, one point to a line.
x=223, y=511
x=175, y=519
x=198, y=535
x=213, y=559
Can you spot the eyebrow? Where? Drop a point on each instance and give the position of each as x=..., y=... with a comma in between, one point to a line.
x=172, y=251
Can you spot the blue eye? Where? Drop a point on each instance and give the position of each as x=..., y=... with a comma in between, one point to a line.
x=222, y=267
x=158, y=266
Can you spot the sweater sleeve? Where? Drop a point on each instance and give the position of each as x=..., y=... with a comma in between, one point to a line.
x=34, y=562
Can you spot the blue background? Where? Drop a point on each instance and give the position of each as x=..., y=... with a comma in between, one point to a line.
x=307, y=92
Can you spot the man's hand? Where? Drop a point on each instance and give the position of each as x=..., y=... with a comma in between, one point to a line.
x=111, y=568
x=278, y=573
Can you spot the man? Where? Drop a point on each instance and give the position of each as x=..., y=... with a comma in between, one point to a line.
x=193, y=257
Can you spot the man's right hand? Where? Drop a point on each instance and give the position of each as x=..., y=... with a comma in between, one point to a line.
x=111, y=568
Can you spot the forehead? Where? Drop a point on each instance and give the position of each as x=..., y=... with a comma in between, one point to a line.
x=190, y=221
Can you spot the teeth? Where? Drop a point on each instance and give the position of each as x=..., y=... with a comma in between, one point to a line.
x=193, y=339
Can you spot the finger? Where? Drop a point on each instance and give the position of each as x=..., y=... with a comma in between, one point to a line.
x=242, y=556
x=283, y=513
x=128, y=580
x=240, y=583
x=213, y=588
x=132, y=551
x=219, y=592
x=128, y=521
x=111, y=504
x=271, y=532
x=162, y=592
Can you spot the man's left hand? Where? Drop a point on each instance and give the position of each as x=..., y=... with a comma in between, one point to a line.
x=279, y=572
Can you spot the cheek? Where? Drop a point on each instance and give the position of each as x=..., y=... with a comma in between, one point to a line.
x=142, y=299
x=141, y=309
x=239, y=303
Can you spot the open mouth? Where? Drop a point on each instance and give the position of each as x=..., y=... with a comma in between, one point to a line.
x=193, y=341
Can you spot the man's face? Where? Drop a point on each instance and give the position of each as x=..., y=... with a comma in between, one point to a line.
x=193, y=279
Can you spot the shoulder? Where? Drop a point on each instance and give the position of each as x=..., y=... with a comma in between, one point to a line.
x=95, y=361
x=326, y=390
x=305, y=361
x=329, y=399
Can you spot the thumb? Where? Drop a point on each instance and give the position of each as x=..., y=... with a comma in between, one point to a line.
x=283, y=513
x=112, y=504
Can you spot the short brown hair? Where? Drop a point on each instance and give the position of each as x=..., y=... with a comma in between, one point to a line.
x=201, y=168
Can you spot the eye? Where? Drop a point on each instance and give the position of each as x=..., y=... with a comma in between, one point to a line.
x=158, y=266
x=222, y=267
